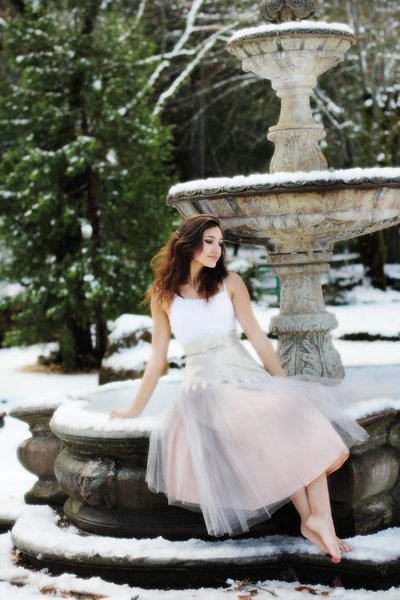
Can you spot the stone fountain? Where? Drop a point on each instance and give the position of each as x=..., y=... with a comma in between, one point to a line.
x=297, y=211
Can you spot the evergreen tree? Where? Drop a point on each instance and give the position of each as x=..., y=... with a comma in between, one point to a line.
x=84, y=175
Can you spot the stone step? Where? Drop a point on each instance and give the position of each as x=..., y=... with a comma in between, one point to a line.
x=46, y=540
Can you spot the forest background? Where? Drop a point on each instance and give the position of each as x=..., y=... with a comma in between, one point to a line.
x=104, y=104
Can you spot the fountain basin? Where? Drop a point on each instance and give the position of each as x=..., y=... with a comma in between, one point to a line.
x=304, y=49
x=295, y=212
x=103, y=465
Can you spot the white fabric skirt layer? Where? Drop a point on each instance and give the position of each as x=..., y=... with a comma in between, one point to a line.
x=239, y=442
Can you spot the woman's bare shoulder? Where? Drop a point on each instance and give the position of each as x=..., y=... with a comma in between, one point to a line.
x=234, y=283
x=234, y=280
x=160, y=307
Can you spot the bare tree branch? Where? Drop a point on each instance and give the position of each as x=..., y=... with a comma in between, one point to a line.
x=187, y=71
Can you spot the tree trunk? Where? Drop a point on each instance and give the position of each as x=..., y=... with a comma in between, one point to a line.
x=86, y=355
x=373, y=256
x=101, y=339
x=393, y=244
x=76, y=347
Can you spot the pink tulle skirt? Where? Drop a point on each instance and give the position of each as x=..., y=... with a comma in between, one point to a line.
x=239, y=442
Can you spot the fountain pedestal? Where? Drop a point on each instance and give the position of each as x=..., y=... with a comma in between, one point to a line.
x=303, y=325
x=292, y=57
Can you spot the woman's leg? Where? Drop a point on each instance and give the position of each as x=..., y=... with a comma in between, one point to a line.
x=320, y=519
x=311, y=527
x=302, y=505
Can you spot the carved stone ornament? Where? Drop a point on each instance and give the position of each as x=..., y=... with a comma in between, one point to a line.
x=97, y=483
x=279, y=11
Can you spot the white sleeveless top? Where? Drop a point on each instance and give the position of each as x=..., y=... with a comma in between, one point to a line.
x=193, y=318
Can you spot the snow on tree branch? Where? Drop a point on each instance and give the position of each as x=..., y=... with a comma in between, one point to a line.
x=141, y=10
x=186, y=72
x=330, y=109
x=189, y=28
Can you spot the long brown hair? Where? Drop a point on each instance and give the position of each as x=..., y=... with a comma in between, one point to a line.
x=171, y=266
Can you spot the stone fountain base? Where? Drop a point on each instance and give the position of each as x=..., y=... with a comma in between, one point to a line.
x=47, y=541
x=102, y=469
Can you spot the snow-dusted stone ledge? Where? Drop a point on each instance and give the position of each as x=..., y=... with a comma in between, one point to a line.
x=284, y=182
x=291, y=28
x=88, y=415
x=372, y=406
x=39, y=404
x=376, y=558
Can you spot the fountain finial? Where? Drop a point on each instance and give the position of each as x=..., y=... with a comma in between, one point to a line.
x=279, y=11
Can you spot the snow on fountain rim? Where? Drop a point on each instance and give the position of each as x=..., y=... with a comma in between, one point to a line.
x=37, y=533
x=284, y=181
x=87, y=414
x=271, y=29
x=73, y=419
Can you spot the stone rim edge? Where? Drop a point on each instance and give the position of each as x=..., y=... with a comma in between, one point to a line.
x=281, y=188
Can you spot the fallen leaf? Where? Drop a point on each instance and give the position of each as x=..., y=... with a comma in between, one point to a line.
x=241, y=584
x=48, y=589
x=306, y=588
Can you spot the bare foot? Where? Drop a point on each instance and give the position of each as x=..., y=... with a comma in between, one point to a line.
x=314, y=538
x=326, y=533
x=344, y=546
x=317, y=541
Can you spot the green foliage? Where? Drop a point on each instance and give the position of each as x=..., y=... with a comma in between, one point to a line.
x=85, y=172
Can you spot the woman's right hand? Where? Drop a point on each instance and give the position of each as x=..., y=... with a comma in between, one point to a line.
x=155, y=366
x=124, y=413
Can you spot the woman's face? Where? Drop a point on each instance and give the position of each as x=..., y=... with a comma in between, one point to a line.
x=211, y=249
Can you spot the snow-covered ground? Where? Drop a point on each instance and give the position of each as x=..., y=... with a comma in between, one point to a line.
x=369, y=311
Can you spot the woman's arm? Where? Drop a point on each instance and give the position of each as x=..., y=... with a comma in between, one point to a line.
x=244, y=314
x=155, y=366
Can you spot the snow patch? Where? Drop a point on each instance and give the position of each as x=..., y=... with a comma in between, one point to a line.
x=127, y=324
x=129, y=358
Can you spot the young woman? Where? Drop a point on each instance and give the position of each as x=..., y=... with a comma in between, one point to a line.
x=243, y=439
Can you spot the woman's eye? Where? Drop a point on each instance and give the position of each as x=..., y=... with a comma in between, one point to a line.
x=212, y=241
